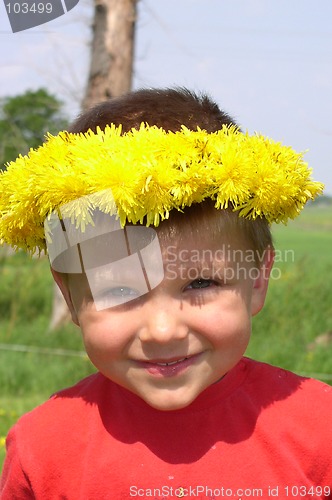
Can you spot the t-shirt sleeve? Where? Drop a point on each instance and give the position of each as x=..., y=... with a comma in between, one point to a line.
x=13, y=482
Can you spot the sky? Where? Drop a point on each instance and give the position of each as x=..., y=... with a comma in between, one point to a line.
x=268, y=63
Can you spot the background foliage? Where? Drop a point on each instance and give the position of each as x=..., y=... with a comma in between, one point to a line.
x=24, y=121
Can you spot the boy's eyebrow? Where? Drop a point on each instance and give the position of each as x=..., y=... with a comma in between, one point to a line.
x=198, y=266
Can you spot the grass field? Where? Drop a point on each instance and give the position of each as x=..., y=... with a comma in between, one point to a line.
x=290, y=331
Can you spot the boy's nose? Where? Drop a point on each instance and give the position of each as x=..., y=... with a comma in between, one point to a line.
x=163, y=324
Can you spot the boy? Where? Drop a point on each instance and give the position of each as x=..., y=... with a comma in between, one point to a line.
x=159, y=240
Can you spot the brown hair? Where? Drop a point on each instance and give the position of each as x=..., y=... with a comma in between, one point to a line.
x=166, y=108
x=170, y=109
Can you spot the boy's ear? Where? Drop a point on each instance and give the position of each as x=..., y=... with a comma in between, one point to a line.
x=262, y=281
x=63, y=285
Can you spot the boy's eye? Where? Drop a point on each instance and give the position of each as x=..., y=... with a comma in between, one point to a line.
x=114, y=296
x=201, y=283
x=121, y=291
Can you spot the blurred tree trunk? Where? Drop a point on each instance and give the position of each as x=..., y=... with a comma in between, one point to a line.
x=110, y=75
x=112, y=50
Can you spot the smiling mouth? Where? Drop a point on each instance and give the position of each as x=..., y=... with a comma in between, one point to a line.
x=170, y=363
x=171, y=368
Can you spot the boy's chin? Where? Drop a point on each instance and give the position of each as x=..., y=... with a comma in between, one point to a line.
x=170, y=400
x=169, y=405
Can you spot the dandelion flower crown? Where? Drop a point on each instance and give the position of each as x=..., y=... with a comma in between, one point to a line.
x=144, y=174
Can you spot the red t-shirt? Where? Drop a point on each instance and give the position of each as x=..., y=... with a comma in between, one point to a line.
x=259, y=432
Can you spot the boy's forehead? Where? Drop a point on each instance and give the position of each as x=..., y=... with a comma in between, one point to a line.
x=75, y=250
x=200, y=233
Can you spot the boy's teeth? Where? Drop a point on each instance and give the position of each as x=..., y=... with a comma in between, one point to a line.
x=171, y=362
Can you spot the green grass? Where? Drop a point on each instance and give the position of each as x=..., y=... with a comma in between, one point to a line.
x=298, y=309
x=29, y=378
x=309, y=236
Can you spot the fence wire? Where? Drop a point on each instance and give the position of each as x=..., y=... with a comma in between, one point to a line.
x=42, y=350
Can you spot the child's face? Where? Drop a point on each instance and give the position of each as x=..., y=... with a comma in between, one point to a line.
x=170, y=344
